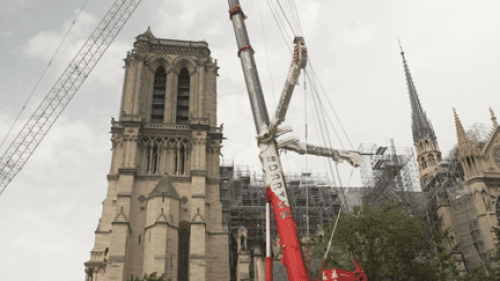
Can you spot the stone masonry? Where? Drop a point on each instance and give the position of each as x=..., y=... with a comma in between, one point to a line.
x=162, y=212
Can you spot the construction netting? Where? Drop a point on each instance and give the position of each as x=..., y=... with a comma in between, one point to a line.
x=470, y=239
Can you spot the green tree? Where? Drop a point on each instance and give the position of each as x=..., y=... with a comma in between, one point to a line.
x=390, y=243
x=489, y=271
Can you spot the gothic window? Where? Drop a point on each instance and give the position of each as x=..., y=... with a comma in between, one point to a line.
x=424, y=164
x=152, y=158
x=180, y=161
x=158, y=104
x=430, y=159
x=183, y=250
x=182, y=157
x=183, y=92
x=468, y=161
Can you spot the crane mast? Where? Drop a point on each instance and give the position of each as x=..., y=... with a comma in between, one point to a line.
x=63, y=90
x=267, y=132
x=276, y=191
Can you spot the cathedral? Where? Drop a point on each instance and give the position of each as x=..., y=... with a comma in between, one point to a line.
x=162, y=213
x=463, y=189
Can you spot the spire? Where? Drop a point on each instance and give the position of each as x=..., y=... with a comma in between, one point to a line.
x=421, y=127
x=464, y=145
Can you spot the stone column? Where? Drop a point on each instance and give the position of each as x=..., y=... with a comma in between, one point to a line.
x=119, y=238
x=243, y=266
x=259, y=268
x=201, y=88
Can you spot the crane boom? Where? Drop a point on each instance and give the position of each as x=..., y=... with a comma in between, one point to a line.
x=276, y=191
x=267, y=132
x=63, y=90
x=351, y=156
x=299, y=62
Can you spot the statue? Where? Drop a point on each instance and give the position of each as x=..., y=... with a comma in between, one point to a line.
x=241, y=239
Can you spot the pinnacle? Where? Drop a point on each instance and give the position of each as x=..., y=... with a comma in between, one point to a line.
x=463, y=140
x=148, y=32
x=493, y=118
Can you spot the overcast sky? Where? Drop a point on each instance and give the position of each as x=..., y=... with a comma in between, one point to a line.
x=49, y=212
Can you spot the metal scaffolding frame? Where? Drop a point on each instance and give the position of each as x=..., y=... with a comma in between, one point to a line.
x=242, y=195
x=470, y=239
x=388, y=171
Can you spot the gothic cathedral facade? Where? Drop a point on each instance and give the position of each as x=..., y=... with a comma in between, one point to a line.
x=466, y=205
x=162, y=212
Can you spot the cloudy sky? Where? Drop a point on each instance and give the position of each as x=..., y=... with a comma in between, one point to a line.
x=49, y=212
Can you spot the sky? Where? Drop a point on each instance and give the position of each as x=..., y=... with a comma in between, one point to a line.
x=49, y=212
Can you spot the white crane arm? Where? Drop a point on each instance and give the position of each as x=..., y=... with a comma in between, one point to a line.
x=299, y=62
x=293, y=144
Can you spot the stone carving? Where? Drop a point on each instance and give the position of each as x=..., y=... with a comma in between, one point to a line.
x=241, y=239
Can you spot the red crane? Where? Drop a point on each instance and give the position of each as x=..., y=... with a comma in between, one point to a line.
x=267, y=131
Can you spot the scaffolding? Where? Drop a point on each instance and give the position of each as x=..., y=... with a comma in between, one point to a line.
x=388, y=171
x=480, y=131
x=314, y=199
x=447, y=189
x=470, y=239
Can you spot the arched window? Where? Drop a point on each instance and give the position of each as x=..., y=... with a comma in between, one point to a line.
x=430, y=160
x=180, y=160
x=152, y=165
x=424, y=165
x=184, y=234
x=158, y=105
x=182, y=153
x=183, y=91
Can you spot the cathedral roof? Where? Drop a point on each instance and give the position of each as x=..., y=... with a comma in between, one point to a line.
x=164, y=188
x=421, y=126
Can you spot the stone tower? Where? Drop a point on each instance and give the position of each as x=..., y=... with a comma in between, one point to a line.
x=162, y=212
x=428, y=156
x=481, y=165
x=424, y=138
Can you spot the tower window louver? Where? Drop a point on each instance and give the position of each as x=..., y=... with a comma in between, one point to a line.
x=158, y=104
x=183, y=92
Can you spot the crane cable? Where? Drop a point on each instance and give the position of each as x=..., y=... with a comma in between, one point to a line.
x=321, y=129
x=319, y=108
x=329, y=243
x=307, y=165
x=43, y=73
x=281, y=25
